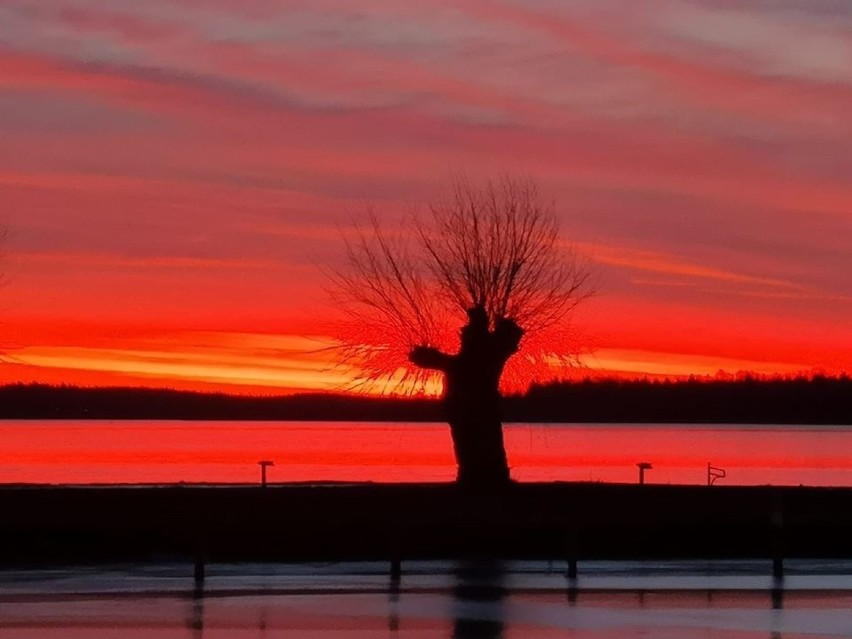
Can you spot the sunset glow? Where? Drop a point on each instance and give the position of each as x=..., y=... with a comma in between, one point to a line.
x=176, y=176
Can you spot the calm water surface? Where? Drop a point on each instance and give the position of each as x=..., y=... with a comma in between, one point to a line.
x=431, y=601
x=218, y=452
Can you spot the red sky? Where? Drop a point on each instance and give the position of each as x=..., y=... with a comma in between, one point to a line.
x=174, y=172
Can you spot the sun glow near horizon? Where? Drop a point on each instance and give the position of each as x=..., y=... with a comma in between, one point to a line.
x=261, y=364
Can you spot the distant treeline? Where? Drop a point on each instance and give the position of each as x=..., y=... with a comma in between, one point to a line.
x=38, y=401
x=819, y=400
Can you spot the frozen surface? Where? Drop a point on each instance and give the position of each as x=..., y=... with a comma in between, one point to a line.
x=613, y=600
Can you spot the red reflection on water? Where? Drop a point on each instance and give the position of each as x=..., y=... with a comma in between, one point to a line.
x=157, y=452
x=368, y=615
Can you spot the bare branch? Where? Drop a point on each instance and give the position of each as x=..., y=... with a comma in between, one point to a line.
x=494, y=245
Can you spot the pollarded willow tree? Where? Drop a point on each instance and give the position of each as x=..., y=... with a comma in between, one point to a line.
x=486, y=258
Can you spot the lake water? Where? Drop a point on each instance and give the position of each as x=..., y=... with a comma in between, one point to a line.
x=432, y=600
x=225, y=452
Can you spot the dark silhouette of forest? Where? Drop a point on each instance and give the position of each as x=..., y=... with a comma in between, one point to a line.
x=802, y=400
x=817, y=400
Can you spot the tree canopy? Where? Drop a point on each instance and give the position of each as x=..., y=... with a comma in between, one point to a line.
x=493, y=246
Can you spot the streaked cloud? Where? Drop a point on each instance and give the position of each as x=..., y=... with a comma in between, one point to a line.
x=655, y=262
x=226, y=360
x=679, y=365
x=775, y=41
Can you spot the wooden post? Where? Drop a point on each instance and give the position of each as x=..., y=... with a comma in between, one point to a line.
x=396, y=567
x=572, y=568
x=776, y=527
x=264, y=463
x=572, y=594
x=199, y=568
x=643, y=466
x=777, y=594
x=571, y=552
x=394, y=590
x=778, y=566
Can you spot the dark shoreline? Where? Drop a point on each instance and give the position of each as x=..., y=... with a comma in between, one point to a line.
x=49, y=525
x=807, y=401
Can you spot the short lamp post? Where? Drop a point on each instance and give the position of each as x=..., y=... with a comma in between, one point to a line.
x=643, y=466
x=264, y=464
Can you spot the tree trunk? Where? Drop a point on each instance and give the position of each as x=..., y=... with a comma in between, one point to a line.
x=472, y=406
x=472, y=397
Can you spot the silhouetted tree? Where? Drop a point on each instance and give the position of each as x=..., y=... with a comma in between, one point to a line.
x=486, y=256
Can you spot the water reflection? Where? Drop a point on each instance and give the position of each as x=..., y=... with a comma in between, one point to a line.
x=393, y=602
x=573, y=591
x=489, y=600
x=203, y=451
x=196, y=611
x=777, y=594
x=478, y=594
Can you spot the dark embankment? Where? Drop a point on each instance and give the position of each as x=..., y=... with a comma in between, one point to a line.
x=294, y=522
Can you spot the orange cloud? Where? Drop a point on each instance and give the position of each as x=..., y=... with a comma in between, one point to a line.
x=679, y=365
x=279, y=362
